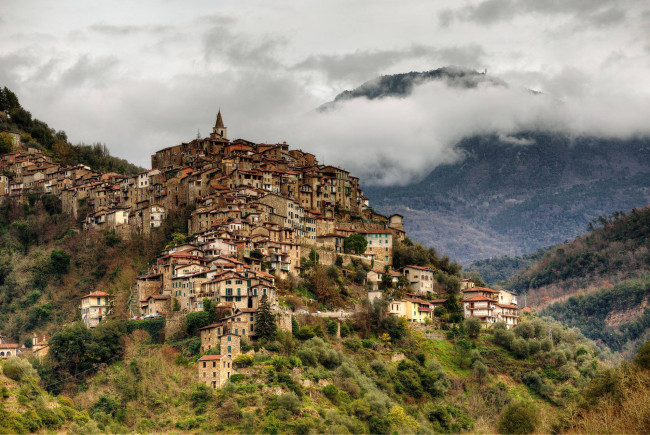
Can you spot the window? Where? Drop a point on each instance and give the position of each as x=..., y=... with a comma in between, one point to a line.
x=203, y=364
x=229, y=349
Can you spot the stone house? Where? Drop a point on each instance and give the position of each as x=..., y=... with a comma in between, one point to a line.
x=375, y=277
x=420, y=279
x=215, y=370
x=155, y=304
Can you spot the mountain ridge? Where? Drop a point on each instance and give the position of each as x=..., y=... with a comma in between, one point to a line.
x=515, y=193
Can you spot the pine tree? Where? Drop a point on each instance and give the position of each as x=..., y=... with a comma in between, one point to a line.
x=265, y=324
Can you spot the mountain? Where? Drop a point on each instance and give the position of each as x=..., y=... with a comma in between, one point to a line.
x=599, y=282
x=509, y=195
x=401, y=85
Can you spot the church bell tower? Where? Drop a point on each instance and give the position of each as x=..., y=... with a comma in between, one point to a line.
x=219, y=131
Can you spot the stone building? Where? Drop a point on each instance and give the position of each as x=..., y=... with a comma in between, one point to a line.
x=215, y=370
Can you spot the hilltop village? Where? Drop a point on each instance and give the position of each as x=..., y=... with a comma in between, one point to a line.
x=255, y=212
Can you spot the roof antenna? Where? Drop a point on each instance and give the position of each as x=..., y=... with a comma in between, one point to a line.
x=198, y=133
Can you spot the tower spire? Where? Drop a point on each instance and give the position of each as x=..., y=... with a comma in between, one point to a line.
x=219, y=130
x=219, y=123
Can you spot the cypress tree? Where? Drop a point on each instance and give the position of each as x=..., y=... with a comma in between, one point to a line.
x=265, y=320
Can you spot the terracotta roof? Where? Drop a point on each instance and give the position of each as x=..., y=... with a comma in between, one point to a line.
x=211, y=357
x=96, y=294
x=428, y=269
x=478, y=298
x=507, y=306
x=480, y=289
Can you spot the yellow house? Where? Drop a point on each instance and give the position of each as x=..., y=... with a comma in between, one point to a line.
x=95, y=307
x=413, y=309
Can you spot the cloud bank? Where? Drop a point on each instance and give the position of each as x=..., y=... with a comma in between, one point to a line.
x=140, y=76
x=395, y=141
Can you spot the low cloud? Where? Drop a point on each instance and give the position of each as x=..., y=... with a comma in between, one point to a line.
x=362, y=65
x=393, y=141
x=598, y=13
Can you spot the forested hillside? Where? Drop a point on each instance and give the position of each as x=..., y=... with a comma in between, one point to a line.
x=497, y=270
x=598, y=282
x=505, y=199
x=37, y=134
x=47, y=264
x=618, y=248
x=619, y=317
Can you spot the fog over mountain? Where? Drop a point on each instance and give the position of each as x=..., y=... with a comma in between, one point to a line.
x=395, y=129
x=482, y=168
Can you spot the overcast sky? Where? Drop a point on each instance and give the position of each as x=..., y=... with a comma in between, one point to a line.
x=144, y=75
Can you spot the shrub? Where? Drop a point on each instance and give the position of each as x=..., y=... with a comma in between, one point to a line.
x=290, y=402
x=410, y=381
x=345, y=330
x=400, y=419
x=642, y=358
x=305, y=333
x=518, y=418
x=331, y=392
x=332, y=328
x=473, y=327
x=244, y=360
x=519, y=347
x=18, y=369
x=378, y=366
x=525, y=330
x=200, y=394
x=280, y=362
x=534, y=346
x=237, y=377
x=480, y=371
x=49, y=418
x=352, y=344
x=230, y=410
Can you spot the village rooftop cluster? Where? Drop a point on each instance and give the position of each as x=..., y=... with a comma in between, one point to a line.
x=255, y=211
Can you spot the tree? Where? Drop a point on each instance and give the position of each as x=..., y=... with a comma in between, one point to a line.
x=52, y=204
x=265, y=322
x=76, y=349
x=8, y=100
x=355, y=243
x=6, y=143
x=59, y=262
x=195, y=321
x=518, y=418
x=25, y=233
x=473, y=327
x=642, y=358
